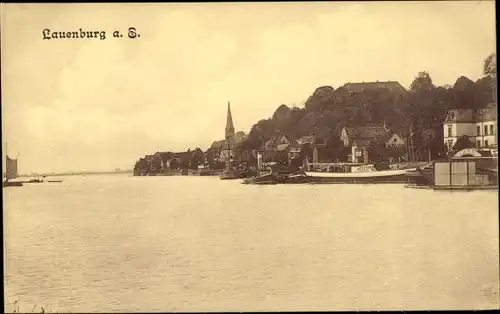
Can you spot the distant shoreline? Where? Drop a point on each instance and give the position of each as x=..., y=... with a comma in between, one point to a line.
x=76, y=173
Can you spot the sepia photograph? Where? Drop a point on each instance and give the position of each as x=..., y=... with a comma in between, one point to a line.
x=249, y=156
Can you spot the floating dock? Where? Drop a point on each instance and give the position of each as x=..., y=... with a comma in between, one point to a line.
x=458, y=174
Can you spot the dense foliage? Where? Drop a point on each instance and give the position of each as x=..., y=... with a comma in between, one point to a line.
x=328, y=110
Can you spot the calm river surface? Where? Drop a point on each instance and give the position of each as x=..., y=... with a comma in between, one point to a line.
x=109, y=243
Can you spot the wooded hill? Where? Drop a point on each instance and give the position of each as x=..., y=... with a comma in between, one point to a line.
x=330, y=109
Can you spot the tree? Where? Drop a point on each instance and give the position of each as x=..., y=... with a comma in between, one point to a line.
x=333, y=147
x=463, y=142
x=281, y=112
x=156, y=165
x=197, y=158
x=488, y=90
x=436, y=147
x=139, y=167
x=490, y=66
x=184, y=163
x=322, y=98
x=210, y=158
x=344, y=154
x=422, y=82
x=306, y=151
x=174, y=164
x=464, y=92
x=484, y=91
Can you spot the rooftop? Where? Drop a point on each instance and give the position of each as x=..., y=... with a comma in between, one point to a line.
x=368, y=131
x=472, y=115
x=360, y=87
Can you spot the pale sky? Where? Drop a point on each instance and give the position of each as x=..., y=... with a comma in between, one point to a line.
x=83, y=104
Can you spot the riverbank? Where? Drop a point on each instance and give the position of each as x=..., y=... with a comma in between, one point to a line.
x=201, y=172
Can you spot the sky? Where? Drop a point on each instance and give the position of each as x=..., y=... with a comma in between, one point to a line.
x=90, y=104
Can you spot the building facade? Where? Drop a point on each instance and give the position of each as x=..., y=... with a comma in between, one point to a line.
x=480, y=126
x=363, y=139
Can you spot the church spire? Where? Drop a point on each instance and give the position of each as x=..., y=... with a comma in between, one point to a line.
x=229, y=122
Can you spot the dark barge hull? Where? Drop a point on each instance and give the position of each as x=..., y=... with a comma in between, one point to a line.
x=12, y=184
x=234, y=175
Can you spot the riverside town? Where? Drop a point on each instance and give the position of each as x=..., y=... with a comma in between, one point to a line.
x=427, y=136
x=250, y=157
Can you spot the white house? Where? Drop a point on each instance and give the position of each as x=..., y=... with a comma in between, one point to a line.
x=395, y=141
x=479, y=125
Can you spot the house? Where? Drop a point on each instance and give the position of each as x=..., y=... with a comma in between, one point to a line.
x=294, y=150
x=480, y=125
x=393, y=86
x=274, y=146
x=279, y=145
x=311, y=140
x=376, y=138
x=395, y=140
x=275, y=142
x=282, y=146
x=364, y=134
x=486, y=127
x=213, y=154
x=308, y=139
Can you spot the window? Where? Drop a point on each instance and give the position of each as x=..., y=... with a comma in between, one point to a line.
x=478, y=144
x=450, y=144
x=491, y=130
x=485, y=143
x=450, y=131
x=485, y=130
x=478, y=130
x=395, y=140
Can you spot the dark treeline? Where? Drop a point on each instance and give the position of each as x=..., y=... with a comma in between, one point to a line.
x=171, y=162
x=423, y=106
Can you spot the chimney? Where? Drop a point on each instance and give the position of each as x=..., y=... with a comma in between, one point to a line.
x=386, y=127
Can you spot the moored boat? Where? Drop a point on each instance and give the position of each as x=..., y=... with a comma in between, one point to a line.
x=299, y=178
x=421, y=176
x=230, y=175
x=206, y=172
x=35, y=180
x=265, y=179
x=359, y=174
x=12, y=183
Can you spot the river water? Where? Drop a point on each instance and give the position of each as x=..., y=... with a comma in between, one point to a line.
x=111, y=243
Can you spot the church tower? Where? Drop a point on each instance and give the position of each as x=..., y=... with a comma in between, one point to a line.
x=230, y=134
